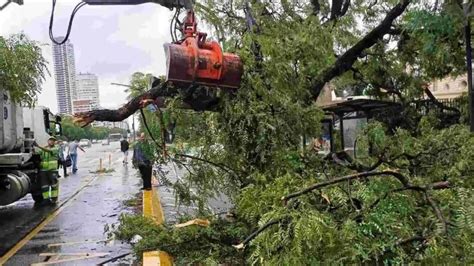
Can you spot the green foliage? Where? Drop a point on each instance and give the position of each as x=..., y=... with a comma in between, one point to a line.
x=138, y=84
x=22, y=68
x=72, y=131
x=435, y=40
x=213, y=243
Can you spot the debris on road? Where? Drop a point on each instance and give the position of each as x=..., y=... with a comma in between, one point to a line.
x=200, y=222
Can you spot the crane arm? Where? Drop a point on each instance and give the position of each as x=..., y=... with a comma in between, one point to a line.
x=188, y=4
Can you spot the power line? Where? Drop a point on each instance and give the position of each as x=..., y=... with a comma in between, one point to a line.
x=71, y=19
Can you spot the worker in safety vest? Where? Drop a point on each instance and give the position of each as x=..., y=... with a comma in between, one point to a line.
x=48, y=174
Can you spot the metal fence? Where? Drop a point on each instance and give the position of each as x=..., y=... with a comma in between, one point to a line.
x=459, y=103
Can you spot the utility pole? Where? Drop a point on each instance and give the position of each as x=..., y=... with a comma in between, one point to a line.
x=133, y=128
x=467, y=35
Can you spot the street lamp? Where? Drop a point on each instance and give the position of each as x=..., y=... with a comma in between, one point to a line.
x=133, y=115
x=120, y=84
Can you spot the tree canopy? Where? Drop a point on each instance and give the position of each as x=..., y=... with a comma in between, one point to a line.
x=22, y=68
x=71, y=131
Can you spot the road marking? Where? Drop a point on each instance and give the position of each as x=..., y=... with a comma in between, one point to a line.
x=45, y=221
x=77, y=256
x=84, y=254
x=77, y=243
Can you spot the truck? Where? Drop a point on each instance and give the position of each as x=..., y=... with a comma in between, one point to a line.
x=20, y=128
x=115, y=137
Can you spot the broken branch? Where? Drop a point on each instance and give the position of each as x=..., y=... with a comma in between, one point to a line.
x=410, y=240
x=309, y=189
x=196, y=98
x=434, y=186
x=256, y=233
x=217, y=165
x=345, y=61
x=437, y=211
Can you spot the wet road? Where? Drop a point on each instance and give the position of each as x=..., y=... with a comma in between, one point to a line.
x=173, y=211
x=88, y=202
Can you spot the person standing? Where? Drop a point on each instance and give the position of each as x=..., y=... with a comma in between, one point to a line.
x=124, y=147
x=62, y=159
x=48, y=173
x=73, y=146
x=143, y=154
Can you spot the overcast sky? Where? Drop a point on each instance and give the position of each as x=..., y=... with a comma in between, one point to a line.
x=109, y=41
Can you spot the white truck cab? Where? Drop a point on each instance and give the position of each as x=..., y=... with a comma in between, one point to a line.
x=20, y=127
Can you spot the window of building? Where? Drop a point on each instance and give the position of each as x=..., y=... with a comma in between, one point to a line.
x=446, y=87
x=463, y=85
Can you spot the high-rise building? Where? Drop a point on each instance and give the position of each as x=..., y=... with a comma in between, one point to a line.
x=65, y=75
x=87, y=88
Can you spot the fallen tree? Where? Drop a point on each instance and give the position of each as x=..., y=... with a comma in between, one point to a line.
x=410, y=203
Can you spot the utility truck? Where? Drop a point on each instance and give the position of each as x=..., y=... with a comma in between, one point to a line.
x=20, y=127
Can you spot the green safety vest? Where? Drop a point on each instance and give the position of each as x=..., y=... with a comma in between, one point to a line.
x=49, y=160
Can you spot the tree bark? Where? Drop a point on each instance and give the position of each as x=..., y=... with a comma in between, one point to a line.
x=316, y=7
x=256, y=233
x=339, y=9
x=336, y=9
x=195, y=98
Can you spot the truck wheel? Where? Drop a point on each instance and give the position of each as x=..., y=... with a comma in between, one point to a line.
x=37, y=198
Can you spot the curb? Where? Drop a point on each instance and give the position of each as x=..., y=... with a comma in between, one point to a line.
x=152, y=206
x=152, y=209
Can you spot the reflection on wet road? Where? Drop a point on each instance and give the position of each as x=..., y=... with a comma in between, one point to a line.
x=75, y=232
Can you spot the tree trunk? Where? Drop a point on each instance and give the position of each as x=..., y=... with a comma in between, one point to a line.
x=195, y=98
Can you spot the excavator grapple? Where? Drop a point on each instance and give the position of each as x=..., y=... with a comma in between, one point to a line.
x=197, y=61
x=193, y=60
